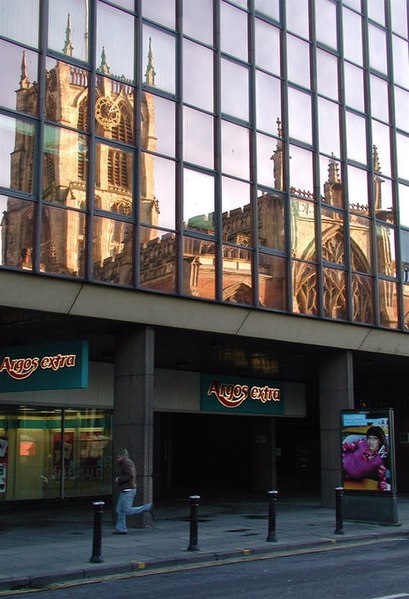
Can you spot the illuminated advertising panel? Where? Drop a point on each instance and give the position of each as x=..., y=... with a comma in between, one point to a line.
x=367, y=448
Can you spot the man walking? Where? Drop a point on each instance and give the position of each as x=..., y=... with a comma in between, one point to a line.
x=126, y=481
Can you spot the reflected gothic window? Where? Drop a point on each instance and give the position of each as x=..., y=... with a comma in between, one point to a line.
x=334, y=299
x=388, y=304
x=385, y=237
x=362, y=299
x=305, y=296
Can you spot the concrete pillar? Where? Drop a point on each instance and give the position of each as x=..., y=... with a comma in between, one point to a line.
x=336, y=393
x=133, y=408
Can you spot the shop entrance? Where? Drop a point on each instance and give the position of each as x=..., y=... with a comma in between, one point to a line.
x=211, y=454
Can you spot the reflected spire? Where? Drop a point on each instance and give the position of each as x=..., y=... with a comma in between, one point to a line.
x=24, y=81
x=377, y=179
x=150, y=69
x=333, y=171
x=278, y=159
x=68, y=47
x=103, y=67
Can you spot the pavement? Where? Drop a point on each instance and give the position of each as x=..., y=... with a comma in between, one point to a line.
x=45, y=546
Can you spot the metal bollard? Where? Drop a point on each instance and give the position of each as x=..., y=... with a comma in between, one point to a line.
x=272, y=498
x=339, y=491
x=194, y=504
x=96, y=557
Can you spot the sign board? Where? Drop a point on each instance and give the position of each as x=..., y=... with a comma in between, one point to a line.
x=56, y=365
x=367, y=448
x=228, y=394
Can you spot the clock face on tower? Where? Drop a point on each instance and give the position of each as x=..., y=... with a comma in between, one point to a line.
x=107, y=112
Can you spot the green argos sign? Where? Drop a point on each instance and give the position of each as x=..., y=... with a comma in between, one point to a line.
x=57, y=365
x=220, y=393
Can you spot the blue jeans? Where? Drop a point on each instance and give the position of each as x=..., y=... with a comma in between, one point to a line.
x=124, y=508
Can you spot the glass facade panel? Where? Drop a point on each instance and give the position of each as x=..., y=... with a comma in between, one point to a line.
x=18, y=69
x=354, y=87
x=333, y=236
x=113, y=251
x=198, y=76
x=385, y=237
x=70, y=16
x=381, y=148
x=402, y=143
x=235, y=90
x=383, y=199
x=198, y=201
x=233, y=31
x=328, y=127
x=299, y=109
x=198, y=20
x=376, y=11
x=358, y=190
x=114, y=180
x=335, y=301
x=326, y=23
x=361, y=243
x=235, y=150
x=401, y=112
x=20, y=21
x=18, y=218
x=268, y=100
x=331, y=186
x=75, y=82
x=271, y=220
x=327, y=74
x=377, y=49
x=237, y=275
x=63, y=238
x=305, y=292
x=198, y=137
x=270, y=8
x=159, y=59
x=356, y=138
x=270, y=162
x=199, y=267
x=157, y=260
x=362, y=299
x=237, y=217
x=160, y=11
x=114, y=113
x=298, y=56
x=297, y=17
x=400, y=61
x=16, y=154
x=301, y=172
x=272, y=280
x=159, y=133
x=404, y=205
x=40, y=461
x=267, y=47
x=303, y=229
x=65, y=165
x=399, y=17
x=110, y=56
x=379, y=98
x=157, y=191
x=352, y=29
x=388, y=304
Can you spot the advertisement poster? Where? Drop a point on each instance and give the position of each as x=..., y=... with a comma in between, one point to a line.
x=367, y=450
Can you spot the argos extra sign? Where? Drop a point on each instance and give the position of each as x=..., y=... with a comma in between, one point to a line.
x=56, y=365
x=242, y=396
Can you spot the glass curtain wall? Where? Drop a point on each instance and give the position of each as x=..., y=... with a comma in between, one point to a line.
x=247, y=152
x=54, y=453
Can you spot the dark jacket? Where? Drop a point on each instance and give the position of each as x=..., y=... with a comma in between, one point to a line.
x=127, y=474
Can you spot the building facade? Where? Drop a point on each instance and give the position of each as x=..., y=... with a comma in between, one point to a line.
x=213, y=197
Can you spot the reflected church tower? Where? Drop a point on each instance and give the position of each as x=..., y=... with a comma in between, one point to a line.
x=65, y=176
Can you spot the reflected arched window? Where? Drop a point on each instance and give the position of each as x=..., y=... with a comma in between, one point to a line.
x=123, y=131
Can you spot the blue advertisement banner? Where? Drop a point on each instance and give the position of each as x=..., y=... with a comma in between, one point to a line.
x=57, y=365
x=219, y=393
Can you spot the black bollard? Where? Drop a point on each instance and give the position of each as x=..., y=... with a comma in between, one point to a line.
x=194, y=504
x=96, y=557
x=339, y=491
x=272, y=498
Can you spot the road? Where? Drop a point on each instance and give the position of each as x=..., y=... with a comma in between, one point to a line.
x=372, y=570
